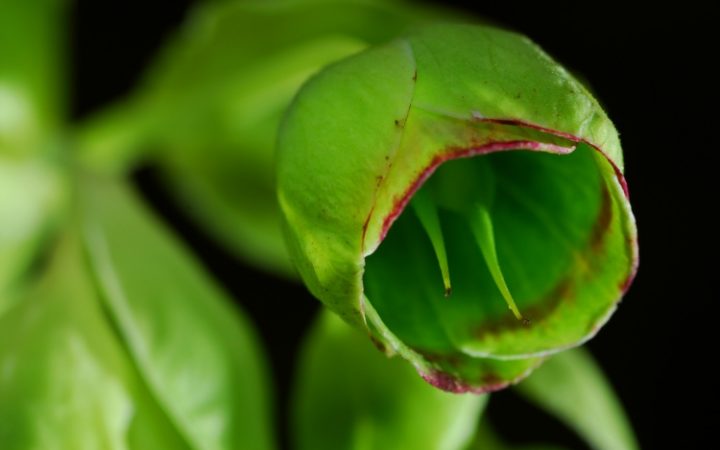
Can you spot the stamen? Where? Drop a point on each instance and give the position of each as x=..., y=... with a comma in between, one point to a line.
x=427, y=212
x=482, y=227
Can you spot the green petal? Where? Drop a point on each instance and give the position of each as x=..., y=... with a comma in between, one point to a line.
x=482, y=227
x=65, y=379
x=212, y=104
x=198, y=356
x=349, y=396
x=365, y=134
x=572, y=387
x=32, y=74
x=428, y=215
x=327, y=183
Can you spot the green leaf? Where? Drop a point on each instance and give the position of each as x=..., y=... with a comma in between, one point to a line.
x=32, y=193
x=65, y=379
x=199, y=357
x=32, y=107
x=32, y=72
x=221, y=164
x=349, y=396
x=212, y=103
x=520, y=163
x=572, y=387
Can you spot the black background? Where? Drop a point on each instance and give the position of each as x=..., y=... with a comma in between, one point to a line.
x=646, y=67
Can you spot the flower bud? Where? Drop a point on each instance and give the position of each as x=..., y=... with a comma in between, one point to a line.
x=461, y=196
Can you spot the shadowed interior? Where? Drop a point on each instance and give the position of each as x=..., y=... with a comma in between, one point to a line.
x=550, y=214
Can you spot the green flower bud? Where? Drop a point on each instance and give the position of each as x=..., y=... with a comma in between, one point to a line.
x=519, y=241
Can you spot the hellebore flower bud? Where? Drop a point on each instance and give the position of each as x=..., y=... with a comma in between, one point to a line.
x=461, y=196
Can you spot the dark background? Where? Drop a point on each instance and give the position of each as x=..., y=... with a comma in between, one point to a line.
x=645, y=66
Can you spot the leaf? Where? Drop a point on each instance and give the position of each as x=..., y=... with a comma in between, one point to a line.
x=32, y=73
x=212, y=103
x=221, y=166
x=571, y=386
x=199, y=357
x=349, y=396
x=32, y=107
x=31, y=196
x=524, y=170
x=65, y=380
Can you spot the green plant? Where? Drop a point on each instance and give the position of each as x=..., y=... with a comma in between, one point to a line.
x=112, y=336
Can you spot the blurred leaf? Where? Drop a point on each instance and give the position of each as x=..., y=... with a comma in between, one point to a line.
x=350, y=396
x=65, y=380
x=32, y=72
x=32, y=76
x=199, y=357
x=222, y=165
x=571, y=386
x=31, y=193
x=212, y=103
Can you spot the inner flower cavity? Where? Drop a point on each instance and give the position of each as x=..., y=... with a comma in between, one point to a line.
x=496, y=243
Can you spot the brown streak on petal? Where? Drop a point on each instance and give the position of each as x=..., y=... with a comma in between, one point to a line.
x=491, y=379
x=563, y=291
x=603, y=222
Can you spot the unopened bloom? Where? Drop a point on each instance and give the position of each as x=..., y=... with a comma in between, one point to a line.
x=461, y=196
